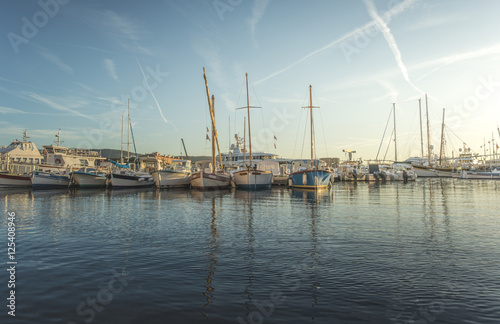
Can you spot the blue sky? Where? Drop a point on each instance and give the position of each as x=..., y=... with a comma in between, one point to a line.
x=73, y=64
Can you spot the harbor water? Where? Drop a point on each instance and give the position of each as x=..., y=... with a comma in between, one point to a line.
x=427, y=251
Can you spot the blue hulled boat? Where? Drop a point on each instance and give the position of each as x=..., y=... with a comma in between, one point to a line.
x=313, y=177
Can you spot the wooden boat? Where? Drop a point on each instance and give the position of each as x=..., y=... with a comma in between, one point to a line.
x=122, y=176
x=313, y=177
x=9, y=180
x=176, y=176
x=249, y=177
x=89, y=178
x=211, y=178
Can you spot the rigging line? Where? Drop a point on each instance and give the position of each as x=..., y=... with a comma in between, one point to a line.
x=265, y=133
x=324, y=136
x=382, y=141
x=304, y=137
x=388, y=145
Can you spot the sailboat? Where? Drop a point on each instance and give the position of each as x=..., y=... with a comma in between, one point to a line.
x=122, y=176
x=312, y=177
x=211, y=178
x=176, y=175
x=249, y=177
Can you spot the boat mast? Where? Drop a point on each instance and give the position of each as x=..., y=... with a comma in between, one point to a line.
x=428, y=142
x=212, y=116
x=244, y=139
x=442, y=141
x=421, y=135
x=248, y=112
x=214, y=169
x=395, y=142
x=187, y=157
x=311, y=112
x=128, y=132
x=121, y=144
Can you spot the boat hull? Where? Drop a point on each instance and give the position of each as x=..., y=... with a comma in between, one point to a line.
x=14, y=181
x=89, y=180
x=45, y=180
x=480, y=175
x=171, y=179
x=253, y=179
x=431, y=172
x=310, y=179
x=130, y=181
x=207, y=181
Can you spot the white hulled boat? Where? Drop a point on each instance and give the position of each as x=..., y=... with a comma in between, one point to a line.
x=176, y=176
x=89, y=178
x=60, y=161
x=122, y=176
x=249, y=177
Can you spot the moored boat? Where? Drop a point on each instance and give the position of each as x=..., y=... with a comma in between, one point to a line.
x=313, y=177
x=9, y=180
x=49, y=180
x=89, y=178
x=176, y=176
x=249, y=177
x=211, y=178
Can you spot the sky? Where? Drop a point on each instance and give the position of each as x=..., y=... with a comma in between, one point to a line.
x=72, y=65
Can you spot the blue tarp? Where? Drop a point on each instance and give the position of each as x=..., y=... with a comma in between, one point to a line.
x=123, y=166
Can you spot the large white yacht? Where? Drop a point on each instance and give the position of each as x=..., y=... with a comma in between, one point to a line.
x=16, y=162
x=238, y=154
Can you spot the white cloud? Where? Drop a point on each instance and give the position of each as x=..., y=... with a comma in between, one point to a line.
x=51, y=57
x=109, y=65
x=7, y=110
x=258, y=11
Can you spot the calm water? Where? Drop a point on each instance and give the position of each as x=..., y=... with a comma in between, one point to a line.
x=422, y=252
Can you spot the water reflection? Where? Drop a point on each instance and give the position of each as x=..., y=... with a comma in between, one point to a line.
x=213, y=251
x=311, y=196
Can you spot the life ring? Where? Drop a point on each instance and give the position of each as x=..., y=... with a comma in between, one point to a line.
x=58, y=161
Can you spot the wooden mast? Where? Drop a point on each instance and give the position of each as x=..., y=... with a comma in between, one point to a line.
x=395, y=142
x=428, y=141
x=121, y=145
x=442, y=141
x=212, y=108
x=212, y=117
x=421, y=135
x=311, y=112
x=128, y=132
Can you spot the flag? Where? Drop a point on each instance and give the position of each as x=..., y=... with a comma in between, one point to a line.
x=208, y=138
x=275, y=138
x=207, y=130
x=274, y=145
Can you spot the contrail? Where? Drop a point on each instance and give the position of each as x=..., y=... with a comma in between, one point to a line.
x=382, y=25
x=386, y=17
x=152, y=94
